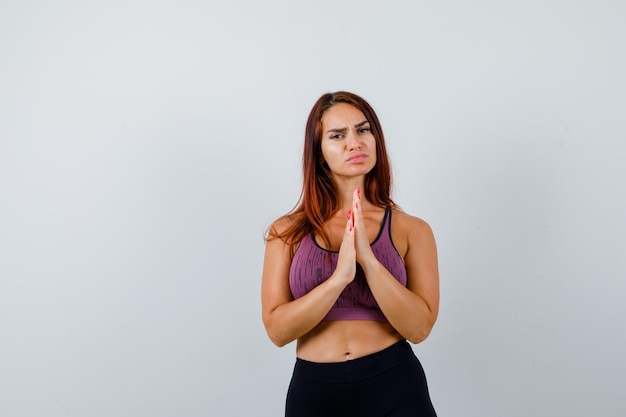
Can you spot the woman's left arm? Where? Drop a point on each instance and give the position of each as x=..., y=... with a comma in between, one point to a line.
x=411, y=310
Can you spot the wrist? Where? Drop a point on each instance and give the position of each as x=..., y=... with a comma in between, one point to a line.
x=338, y=281
x=370, y=264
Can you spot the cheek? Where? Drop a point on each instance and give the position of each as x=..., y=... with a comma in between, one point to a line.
x=323, y=152
x=373, y=152
x=328, y=152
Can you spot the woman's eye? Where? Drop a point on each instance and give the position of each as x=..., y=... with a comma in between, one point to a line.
x=337, y=136
x=364, y=130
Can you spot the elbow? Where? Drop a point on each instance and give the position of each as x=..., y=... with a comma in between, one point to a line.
x=277, y=340
x=418, y=337
x=420, y=333
x=276, y=336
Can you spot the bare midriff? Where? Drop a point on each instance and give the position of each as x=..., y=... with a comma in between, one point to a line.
x=341, y=340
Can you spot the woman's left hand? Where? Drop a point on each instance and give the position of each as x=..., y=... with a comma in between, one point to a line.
x=361, y=240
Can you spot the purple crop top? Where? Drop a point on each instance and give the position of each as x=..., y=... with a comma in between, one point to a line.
x=311, y=266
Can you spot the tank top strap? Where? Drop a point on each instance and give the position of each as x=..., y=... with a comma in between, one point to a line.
x=385, y=232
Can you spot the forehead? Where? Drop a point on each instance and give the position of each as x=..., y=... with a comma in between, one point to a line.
x=342, y=115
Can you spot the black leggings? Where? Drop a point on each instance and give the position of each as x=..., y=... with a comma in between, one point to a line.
x=387, y=383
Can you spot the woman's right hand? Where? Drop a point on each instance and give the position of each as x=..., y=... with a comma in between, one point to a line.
x=346, y=262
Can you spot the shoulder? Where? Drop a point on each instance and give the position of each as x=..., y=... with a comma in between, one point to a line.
x=282, y=229
x=285, y=233
x=410, y=231
x=409, y=223
x=277, y=246
x=281, y=225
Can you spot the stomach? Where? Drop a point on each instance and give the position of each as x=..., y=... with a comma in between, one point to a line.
x=342, y=340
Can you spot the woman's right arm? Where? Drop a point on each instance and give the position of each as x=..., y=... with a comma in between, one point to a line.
x=286, y=319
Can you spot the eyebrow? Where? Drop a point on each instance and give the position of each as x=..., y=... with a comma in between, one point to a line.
x=343, y=129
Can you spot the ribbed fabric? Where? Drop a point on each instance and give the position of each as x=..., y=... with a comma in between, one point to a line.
x=312, y=265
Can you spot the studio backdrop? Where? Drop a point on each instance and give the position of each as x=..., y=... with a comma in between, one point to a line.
x=146, y=146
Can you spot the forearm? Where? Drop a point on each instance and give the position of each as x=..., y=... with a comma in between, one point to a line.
x=406, y=311
x=296, y=318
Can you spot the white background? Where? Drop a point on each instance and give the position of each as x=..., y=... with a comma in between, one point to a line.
x=146, y=145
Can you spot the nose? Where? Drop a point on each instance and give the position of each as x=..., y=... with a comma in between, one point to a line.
x=352, y=142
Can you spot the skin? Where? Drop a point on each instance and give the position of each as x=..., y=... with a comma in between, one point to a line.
x=348, y=147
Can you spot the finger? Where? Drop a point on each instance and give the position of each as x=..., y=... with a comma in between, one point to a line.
x=350, y=221
x=356, y=197
x=356, y=203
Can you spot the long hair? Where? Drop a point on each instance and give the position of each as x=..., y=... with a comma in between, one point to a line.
x=318, y=200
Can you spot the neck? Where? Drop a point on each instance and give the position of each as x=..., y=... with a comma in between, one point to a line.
x=345, y=192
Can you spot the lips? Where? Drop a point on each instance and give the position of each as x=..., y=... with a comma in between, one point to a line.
x=357, y=157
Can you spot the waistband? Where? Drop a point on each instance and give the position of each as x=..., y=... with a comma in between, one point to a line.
x=355, y=369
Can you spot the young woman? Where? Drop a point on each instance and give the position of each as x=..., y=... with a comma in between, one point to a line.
x=350, y=276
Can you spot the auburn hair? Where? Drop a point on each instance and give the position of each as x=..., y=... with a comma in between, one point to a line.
x=318, y=200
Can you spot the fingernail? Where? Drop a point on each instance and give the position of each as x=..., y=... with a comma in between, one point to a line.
x=349, y=213
x=358, y=192
x=357, y=205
